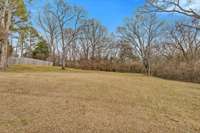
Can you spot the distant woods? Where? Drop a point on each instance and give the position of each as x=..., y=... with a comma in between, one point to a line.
x=145, y=43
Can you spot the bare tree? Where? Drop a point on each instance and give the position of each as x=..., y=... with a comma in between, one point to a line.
x=33, y=38
x=142, y=31
x=84, y=44
x=184, y=7
x=95, y=36
x=126, y=54
x=68, y=18
x=186, y=40
x=50, y=28
x=22, y=41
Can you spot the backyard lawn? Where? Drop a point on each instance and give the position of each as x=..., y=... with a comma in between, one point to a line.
x=49, y=100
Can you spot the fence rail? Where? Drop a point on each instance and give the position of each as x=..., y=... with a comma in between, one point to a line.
x=28, y=61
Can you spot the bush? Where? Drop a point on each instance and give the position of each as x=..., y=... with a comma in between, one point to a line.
x=107, y=65
x=184, y=71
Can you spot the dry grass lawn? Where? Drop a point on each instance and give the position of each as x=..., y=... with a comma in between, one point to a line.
x=77, y=101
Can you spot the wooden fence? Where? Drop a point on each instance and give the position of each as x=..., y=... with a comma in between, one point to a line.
x=28, y=61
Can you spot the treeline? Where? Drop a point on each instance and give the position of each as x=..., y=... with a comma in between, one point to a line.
x=145, y=43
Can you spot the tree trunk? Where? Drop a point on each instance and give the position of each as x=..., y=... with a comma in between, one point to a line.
x=53, y=54
x=63, y=60
x=4, y=55
x=63, y=63
x=53, y=57
x=22, y=50
x=149, y=68
x=149, y=71
x=5, y=24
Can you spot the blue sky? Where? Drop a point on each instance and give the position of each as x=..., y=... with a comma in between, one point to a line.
x=110, y=13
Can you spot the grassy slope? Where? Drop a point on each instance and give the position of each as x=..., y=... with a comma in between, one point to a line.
x=30, y=68
x=82, y=101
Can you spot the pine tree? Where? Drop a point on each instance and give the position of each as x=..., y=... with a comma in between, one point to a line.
x=11, y=12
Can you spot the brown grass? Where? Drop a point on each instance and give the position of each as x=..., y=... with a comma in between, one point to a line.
x=90, y=102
